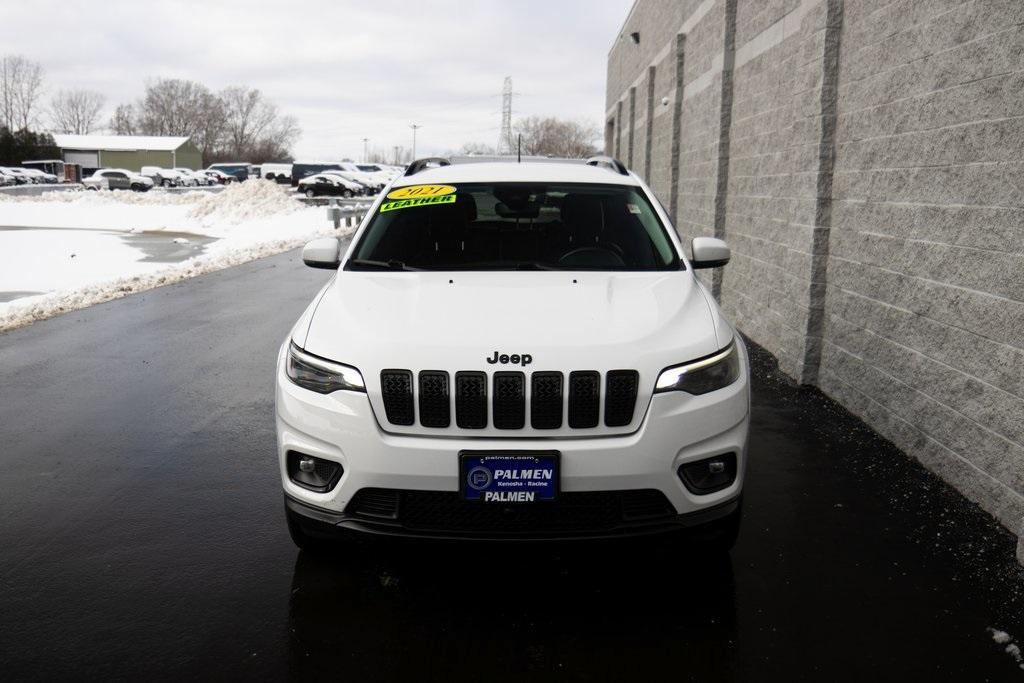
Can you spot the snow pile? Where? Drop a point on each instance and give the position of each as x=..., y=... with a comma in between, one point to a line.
x=1011, y=648
x=244, y=201
x=104, y=198
x=58, y=255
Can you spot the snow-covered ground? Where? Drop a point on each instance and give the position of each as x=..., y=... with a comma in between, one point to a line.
x=66, y=250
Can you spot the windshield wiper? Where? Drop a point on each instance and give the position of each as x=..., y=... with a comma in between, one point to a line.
x=381, y=265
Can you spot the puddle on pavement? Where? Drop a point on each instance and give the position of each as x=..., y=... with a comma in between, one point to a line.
x=164, y=246
x=157, y=246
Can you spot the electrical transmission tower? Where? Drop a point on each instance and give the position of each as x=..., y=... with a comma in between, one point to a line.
x=505, y=145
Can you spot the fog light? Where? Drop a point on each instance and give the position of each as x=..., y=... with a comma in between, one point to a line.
x=709, y=475
x=316, y=474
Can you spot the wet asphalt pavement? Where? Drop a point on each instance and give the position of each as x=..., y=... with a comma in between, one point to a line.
x=142, y=536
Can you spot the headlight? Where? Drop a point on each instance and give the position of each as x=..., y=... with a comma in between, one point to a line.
x=701, y=376
x=320, y=375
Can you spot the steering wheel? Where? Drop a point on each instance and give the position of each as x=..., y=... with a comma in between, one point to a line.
x=605, y=256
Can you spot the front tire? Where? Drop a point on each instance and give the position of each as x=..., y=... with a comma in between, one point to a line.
x=310, y=193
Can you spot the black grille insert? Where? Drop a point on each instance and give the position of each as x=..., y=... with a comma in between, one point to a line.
x=396, y=391
x=375, y=503
x=471, y=400
x=577, y=512
x=435, y=408
x=620, y=397
x=509, y=400
x=584, y=399
x=546, y=400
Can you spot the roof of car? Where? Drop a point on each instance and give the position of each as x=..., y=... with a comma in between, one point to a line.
x=512, y=172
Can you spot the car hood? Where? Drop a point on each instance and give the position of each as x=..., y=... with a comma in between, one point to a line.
x=563, y=321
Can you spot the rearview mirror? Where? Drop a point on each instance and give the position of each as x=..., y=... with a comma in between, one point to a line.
x=322, y=253
x=709, y=252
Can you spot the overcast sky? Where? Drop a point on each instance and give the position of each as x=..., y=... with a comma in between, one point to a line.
x=347, y=70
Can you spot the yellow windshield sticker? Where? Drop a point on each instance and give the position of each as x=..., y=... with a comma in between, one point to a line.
x=421, y=191
x=417, y=201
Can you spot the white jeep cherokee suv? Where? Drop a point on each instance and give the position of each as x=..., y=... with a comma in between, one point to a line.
x=513, y=350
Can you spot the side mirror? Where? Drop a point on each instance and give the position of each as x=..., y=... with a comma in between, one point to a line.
x=322, y=253
x=709, y=252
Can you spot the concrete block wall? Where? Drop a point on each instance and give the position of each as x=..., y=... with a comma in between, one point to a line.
x=865, y=161
x=924, y=314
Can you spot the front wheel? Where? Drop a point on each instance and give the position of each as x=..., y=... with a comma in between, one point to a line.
x=310, y=193
x=346, y=194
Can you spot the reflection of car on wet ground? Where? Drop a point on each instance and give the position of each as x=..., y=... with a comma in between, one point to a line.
x=326, y=184
x=117, y=179
x=512, y=351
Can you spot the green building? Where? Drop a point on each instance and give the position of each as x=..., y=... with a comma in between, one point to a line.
x=131, y=152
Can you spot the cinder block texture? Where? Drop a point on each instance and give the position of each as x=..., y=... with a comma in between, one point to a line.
x=924, y=324
x=867, y=168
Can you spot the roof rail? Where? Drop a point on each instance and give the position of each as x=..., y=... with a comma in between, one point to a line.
x=421, y=164
x=614, y=164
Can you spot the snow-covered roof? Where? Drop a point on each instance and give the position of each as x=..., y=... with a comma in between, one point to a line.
x=120, y=143
x=531, y=172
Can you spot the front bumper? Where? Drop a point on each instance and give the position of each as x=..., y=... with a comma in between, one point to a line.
x=677, y=429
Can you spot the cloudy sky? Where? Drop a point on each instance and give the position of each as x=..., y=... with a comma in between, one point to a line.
x=347, y=70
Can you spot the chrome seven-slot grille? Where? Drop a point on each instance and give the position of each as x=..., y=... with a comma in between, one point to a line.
x=502, y=400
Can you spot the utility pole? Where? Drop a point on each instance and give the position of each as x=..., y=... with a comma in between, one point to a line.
x=415, y=127
x=366, y=157
x=396, y=155
x=505, y=135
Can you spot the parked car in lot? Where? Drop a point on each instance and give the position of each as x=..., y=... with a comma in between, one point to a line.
x=7, y=180
x=187, y=177
x=117, y=179
x=218, y=177
x=201, y=179
x=19, y=175
x=327, y=184
x=237, y=170
x=39, y=177
x=513, y=351
x=360, y=187
x=279, y=173
x=161, y=177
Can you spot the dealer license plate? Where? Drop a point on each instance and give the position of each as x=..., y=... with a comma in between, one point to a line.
x=505, y=477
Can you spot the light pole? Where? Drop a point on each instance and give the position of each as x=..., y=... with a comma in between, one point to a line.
x=414, y=127
x=366, y=156
x=396, y=155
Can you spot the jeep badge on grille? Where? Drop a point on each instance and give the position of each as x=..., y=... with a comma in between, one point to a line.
x=523, y=359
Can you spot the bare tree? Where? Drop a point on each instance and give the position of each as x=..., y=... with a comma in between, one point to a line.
x=21, y=86
x=549, y=136
x=123, y=120
x=76, y=111
x=237, y=124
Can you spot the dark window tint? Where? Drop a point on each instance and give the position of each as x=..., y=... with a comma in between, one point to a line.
x=513, y=227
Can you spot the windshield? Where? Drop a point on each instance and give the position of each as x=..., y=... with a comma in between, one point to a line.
x=508, y=226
